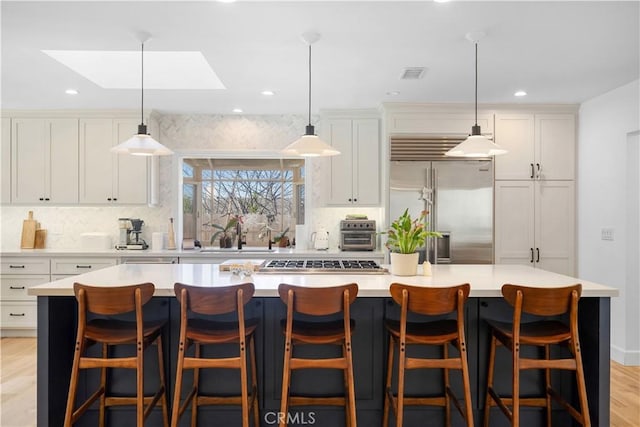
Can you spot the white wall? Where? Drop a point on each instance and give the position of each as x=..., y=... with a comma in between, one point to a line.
x=605, y=123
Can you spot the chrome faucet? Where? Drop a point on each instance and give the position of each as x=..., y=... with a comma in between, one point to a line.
x=239, y=233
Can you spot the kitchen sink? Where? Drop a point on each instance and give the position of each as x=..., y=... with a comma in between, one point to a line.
x=249, y=249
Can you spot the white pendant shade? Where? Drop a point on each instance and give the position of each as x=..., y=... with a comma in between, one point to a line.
x=142, y=145
x=310, y=146
x=476, y=146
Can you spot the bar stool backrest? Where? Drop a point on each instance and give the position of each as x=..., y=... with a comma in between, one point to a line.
x=214, y=300
x=109, y=300
x=318, y=301
x=542, y=301
x=431, y=301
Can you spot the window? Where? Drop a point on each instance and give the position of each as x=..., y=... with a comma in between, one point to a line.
x=263, y=192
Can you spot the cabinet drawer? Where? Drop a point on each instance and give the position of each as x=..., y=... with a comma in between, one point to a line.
x=24, y=265
x=14, y=287
x=19, y=315
x=79, y=265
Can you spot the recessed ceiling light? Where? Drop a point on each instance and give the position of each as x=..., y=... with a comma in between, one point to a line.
x=121, y=69
x=226, y=1
x=441, y=1
x=71, y=92
x=267, y=93
x=520, y=93
x=237, y=110
x=393, y=93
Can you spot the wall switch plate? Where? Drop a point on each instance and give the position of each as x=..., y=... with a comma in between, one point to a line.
x=607, y=234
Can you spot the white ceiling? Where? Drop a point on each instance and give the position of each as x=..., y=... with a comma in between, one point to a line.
x=559, y=52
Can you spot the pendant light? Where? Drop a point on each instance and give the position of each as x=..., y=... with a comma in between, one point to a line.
x=142, y=144
x=309, y=145
x=476, y=145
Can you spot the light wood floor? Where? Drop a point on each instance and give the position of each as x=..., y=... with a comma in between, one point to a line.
x=18, y=387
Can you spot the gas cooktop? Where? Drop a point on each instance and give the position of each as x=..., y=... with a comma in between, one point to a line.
x=319, y=266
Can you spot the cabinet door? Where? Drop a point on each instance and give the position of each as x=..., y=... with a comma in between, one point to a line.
x=366, y=162
x=96, y=161
x=555, y=146
x=555, y=226
x=514, y=132
x=340, y=137
x=5, y=157
x=514, y=222
x=62, y=165
x=130, y=179
x=28, y=159
x=45, y=159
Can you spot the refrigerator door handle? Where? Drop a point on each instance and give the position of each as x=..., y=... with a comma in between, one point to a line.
x=433, y=225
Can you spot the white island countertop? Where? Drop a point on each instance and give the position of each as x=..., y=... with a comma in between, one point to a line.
x=485, y=280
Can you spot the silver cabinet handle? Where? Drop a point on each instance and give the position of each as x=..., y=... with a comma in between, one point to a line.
x=531, y=260
x=538, y=168
x=16, y=287
x=537, y=254
x=83, y=266
x=532, y=172
x=16, y=266
x=16, y=314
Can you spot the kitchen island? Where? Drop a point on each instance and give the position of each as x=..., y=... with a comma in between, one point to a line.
x=57, y=325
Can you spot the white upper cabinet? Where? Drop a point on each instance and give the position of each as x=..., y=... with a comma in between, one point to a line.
x=540, y=146
x=555, y=146
x=5, y=157
x=106, y=177
x=44, y=167
x=355, y=173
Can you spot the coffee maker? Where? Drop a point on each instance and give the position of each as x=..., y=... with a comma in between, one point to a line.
x=130, y=230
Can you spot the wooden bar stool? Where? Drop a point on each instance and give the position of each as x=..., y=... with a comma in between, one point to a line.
x=109, y=301
x=429, y=301
x=541, y=333
x=212, y=301
x=323, y=301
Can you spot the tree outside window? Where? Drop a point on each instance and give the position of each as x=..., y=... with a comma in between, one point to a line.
x=263, y=192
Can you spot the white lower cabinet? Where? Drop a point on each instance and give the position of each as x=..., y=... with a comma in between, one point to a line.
x=74, y=266
x=18, y=309
x=535, y=224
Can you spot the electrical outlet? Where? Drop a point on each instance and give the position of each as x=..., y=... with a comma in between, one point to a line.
x=607, y=234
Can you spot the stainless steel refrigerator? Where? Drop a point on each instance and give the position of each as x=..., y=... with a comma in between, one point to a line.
x=458, y=194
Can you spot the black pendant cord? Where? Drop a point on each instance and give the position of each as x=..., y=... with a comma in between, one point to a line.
x=476, y=84
x=142, y=86
x=309, y=84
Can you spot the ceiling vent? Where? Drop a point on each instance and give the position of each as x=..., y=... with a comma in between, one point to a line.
x=412, y=73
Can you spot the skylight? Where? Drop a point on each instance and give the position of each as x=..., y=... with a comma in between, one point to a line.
x=121, y=69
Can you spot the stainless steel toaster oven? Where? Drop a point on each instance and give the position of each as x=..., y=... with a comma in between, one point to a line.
x=357, y=235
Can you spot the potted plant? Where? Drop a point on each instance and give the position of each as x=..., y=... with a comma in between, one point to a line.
x=225, y=233
x=282, y=239
x=405, y=236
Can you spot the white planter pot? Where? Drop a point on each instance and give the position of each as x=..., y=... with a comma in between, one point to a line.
x=404, y=264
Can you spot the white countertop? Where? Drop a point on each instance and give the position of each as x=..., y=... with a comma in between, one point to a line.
x=485, y=280
x=247, y=252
